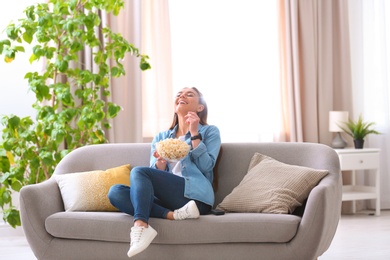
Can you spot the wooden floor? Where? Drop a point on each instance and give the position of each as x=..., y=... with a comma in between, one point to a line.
x=359, y=236
x=13, y=244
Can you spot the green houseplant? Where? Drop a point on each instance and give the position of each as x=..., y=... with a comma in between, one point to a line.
x=358, y=130
x=71, y=109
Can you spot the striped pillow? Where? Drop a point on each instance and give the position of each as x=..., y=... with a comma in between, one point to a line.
x=271, y=186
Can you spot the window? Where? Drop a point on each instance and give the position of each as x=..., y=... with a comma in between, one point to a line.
x=229, y=50
x=15, y=98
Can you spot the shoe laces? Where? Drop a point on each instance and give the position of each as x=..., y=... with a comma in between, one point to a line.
x=136, y=234
x=182, y=213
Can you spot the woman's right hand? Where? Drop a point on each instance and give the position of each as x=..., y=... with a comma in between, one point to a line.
x=161, y=163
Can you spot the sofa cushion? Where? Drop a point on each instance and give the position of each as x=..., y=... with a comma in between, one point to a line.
x=271, y=186
x=229, y=228
x=87, y=191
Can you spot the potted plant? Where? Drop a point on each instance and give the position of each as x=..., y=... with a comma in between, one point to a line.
x=71, y=109
x=358, y=130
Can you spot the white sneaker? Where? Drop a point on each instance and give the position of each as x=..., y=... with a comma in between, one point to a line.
x=140, y=239
x=190, y=210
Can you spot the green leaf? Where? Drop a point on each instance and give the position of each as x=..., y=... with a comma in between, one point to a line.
x=30, y=12
x=62, y=65
x=16, y=185
x=42, y=92
x=6, y=196
x=113, y=110
x=5, y=42
x=19, y=49
x=9, y=55
x=32, y=58
x=14, y=121
x=2, y=189
x=144, y=64
x=115, y=72
x=27, y=37
x=12, y=216
x=4, y=164
x=86, y=76
x=3, y=178
x=99, y=134
x=12, y=32
x=58, y=136
x=46, y=157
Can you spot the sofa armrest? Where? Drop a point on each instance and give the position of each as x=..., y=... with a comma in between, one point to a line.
x=37, y=202
x=322, y=213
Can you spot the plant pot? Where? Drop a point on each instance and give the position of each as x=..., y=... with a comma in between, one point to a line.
x=358, y=144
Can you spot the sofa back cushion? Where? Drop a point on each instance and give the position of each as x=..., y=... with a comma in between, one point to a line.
x=235, y=158
x=104, y=156
x=271, y=186
x=231, y=167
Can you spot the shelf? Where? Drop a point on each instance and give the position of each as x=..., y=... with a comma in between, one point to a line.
x=355, y=195
x=351, y=192
x=360, y=159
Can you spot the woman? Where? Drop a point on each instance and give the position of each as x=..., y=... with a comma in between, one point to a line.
x=163, y=190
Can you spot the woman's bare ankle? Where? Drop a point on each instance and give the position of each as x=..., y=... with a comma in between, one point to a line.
x=170, y=215
x=140, y=223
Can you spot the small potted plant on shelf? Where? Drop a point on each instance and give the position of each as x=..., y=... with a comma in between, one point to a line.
x=358, y=130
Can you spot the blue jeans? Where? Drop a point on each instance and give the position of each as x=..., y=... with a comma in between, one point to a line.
x=153, y=193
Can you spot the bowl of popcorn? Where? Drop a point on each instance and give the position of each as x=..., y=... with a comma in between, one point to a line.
x=172, y=149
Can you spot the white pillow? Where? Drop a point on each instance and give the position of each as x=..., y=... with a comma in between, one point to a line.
x=271, y=186
x=87, y=191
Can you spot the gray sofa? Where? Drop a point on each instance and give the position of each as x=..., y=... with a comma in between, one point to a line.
x=304, y=235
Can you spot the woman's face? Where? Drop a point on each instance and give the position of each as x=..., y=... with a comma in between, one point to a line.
x=187, y=100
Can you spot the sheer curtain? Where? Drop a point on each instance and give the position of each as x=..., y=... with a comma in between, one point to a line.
x=146, y=97
x=126, y=91
x=370, y=45
x=315, y=66
x=157, y=91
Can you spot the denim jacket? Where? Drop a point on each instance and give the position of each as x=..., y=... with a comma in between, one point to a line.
x=197, y=166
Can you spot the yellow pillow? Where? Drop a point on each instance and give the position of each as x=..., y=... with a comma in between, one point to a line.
x=87, y=191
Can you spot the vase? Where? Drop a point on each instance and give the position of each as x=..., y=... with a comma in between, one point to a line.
x=358, y=144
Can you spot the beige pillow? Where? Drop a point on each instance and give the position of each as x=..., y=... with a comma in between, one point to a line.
x=271, y=186
x=87, y=191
